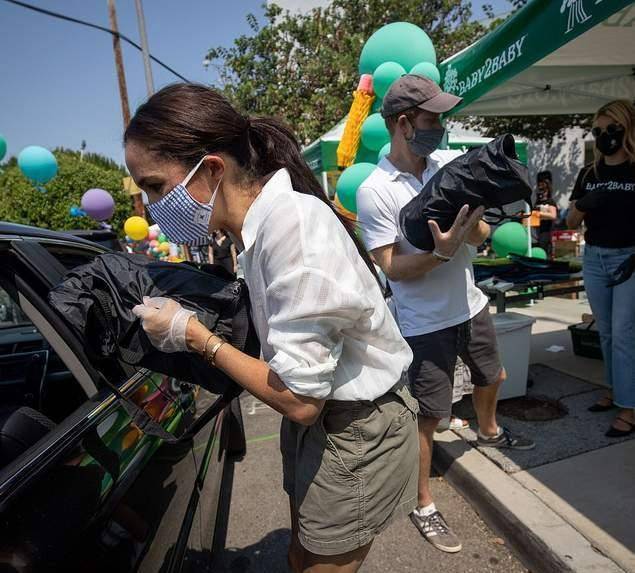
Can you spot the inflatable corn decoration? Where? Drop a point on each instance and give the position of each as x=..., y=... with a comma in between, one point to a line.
x=363, y=98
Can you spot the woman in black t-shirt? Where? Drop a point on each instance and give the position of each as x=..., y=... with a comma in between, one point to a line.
x=547, y=208
x=604, y=198
x=223, y=251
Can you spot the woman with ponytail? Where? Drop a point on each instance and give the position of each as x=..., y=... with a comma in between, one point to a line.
x=334, y=360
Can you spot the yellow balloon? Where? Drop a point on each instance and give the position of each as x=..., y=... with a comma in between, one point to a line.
x=136, y=228
x=164, y=247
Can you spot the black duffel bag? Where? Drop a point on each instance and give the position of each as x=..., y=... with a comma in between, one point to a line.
x=96, y=301
x=490, y=176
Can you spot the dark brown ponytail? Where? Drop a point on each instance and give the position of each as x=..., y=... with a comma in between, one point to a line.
x=183, y=122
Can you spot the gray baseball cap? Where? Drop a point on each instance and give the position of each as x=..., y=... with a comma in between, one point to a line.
x=412, y=90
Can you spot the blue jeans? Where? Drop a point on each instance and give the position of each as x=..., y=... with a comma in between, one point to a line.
x=614, y=312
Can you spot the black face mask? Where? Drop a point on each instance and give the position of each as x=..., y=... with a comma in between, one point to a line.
x=609, y=143
x=424, y=141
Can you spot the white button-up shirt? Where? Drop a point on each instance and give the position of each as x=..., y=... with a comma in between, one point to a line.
x=323, y=325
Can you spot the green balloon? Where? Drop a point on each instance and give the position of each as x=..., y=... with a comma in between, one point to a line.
x=539, y=253
x=350, y=179
x=400, y=42
x=385, y=150
x=510, y=238
x=162, y=238
x=365, y=155
x=3, y=147
x=427, y=70
x=385, y=75
x=376, y=107
x=374, y=132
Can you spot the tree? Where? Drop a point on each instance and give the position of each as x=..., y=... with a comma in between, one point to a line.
x=303, y=67
x=22, y=203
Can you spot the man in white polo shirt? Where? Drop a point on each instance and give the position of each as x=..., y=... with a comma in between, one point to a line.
x=441, y=313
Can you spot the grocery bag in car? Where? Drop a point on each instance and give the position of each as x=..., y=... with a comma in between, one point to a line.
x=97, y=299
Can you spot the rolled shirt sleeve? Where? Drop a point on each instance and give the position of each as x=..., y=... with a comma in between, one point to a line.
x=308, y=310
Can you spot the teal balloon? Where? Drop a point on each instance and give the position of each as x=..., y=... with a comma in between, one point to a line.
x=376, y=107
x=385, y=75
x=427, y=70
x=374, y=132
x=37, y=163
x=539, y=253
x=510, y=238
x=385, y=150
x=365, y=155
x=400, y=42
x=348, y=183
x=3, y=147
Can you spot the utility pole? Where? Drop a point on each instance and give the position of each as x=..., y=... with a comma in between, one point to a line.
x=144, y=47
x=121, y=76
x=137, y=202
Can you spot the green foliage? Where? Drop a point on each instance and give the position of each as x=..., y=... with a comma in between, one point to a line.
x=303, y=67
x=21, y=202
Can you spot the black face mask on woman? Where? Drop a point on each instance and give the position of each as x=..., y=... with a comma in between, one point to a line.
x=608, y=141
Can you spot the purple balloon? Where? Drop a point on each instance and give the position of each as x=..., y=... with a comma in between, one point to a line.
x=98, y=204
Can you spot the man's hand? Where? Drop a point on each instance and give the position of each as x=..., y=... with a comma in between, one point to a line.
x=448, y=243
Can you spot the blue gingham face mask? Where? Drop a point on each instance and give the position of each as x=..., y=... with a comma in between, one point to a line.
x=182, y=218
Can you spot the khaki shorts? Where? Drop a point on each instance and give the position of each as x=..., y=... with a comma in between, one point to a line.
x=352, y=471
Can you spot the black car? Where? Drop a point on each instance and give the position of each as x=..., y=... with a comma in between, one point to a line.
x=81, y=487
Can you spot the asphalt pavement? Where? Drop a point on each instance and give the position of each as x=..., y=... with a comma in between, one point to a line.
x=259, y=532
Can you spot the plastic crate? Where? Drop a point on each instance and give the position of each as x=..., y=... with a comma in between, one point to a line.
x=586, y=340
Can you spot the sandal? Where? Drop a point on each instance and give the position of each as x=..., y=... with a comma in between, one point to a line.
x=602, y=405
x=613, y=432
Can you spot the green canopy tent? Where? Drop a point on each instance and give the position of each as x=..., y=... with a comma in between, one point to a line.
x=550, y=57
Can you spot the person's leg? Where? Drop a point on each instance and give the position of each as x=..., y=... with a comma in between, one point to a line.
x=623, y=343
x=296, y=553
x=600, y=298
x=346, y=563
x=427, y=426
x=431, y=376
x=485, y=399
x=480, y=353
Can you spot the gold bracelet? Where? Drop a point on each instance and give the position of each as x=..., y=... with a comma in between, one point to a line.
x=206, y=343
x=210, y=357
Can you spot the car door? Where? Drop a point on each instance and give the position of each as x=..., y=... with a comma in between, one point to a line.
x=95, y=493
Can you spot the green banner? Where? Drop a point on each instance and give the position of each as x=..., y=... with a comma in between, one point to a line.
x=535, y=31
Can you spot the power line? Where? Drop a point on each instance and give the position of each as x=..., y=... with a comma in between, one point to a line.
x=96, y=27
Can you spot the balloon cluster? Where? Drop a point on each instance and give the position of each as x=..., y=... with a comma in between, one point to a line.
x=150, y=241
x=392, y=51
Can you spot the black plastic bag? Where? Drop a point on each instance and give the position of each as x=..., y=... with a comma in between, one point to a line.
x=489, y=176
x=96, y=300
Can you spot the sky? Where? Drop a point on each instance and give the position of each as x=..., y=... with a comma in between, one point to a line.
x=58, y=84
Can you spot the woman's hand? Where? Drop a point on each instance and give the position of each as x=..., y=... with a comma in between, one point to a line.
x=165, y=322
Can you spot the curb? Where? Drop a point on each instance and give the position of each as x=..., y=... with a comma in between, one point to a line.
x=543, y=540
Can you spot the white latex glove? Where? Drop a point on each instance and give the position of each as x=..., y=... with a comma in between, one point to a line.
x=165, y=322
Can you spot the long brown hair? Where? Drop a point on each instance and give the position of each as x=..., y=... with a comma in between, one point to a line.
x=183, y=122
